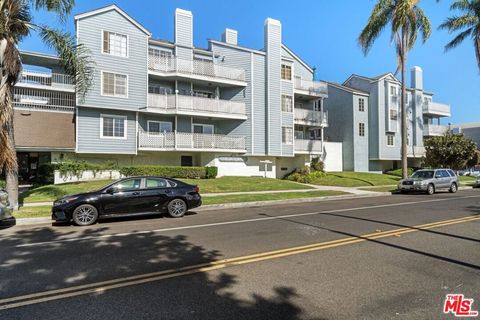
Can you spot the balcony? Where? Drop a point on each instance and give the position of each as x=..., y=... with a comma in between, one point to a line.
x=196, y=69
x=185, y=141
x=195, y=106
x=430, y=130
x=311, y=118
x=33, y=99
x=44, y=80
x=305, y=146
x=310, y=88
x=415, y=152
x=436, y=109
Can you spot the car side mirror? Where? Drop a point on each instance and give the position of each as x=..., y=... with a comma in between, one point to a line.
x=111, y=190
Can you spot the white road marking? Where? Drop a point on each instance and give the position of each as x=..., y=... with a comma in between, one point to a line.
x=207, y=225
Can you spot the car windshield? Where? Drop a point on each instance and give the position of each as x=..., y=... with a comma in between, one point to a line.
x=423, y=174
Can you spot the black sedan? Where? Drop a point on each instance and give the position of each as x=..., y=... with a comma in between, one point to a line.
x=129, y=196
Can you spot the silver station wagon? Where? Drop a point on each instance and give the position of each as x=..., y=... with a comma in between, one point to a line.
x=430, y=181
x=5, y=210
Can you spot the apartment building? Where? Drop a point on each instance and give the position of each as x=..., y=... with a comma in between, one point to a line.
x=470, y=130
x=155, y=101
x=366, y=114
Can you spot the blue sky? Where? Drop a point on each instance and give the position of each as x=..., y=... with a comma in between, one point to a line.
x=324, y=33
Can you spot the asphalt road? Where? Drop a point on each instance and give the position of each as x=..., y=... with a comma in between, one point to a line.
x=392, y=257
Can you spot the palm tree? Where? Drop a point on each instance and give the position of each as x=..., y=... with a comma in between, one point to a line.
x=16, y=23
x=469, y=22
x=406, y=20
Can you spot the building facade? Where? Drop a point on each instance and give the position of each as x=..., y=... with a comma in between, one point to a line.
x=170, y=103
x=366, y=116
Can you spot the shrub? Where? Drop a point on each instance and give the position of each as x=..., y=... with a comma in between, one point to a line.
x=317, y=165
x=76, y=168
x=167, y=171
x=45, y=174
x=3, y=184
x=305, y=176
x=211, y=172
x=398, y=172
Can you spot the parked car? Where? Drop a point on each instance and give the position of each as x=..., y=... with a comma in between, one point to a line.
x=128, y=196
x=5, y=210
x=477, y=183
x=430, y=181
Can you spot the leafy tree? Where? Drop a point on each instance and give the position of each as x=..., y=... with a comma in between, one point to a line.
x=407, y=20
x=452, y=151
x=467, y=24
x=16, y=23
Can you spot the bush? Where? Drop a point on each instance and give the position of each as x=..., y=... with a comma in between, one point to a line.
x=45, y=174
x=317, y=165
x=211, y=172
x=168, y=171
x=76, y=168
x=398, y=172
x=303, y=176
x=3, y=184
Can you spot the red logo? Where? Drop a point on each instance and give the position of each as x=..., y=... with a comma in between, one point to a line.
x=459, y=306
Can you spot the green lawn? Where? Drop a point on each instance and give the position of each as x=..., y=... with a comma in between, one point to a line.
x=33, y=212
x=467, y=180
x=381, y=189
x=224, y=184
x=356, y=179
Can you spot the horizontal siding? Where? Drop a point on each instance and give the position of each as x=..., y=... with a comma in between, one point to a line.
x=259, y=107
x=299, y=68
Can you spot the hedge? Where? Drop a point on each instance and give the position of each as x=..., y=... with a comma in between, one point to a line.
x=2, y=184
x=398, y=172
x=171, y=171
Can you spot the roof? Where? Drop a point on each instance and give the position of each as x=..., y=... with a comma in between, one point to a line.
x=118, y=10
x=374, y=79
x=468, y=125
x=348, y=89
x=297, y=57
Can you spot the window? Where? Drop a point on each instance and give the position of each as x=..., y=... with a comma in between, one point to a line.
x=153, y=183
x=203, y=128
x=128, y=185
x=115, y=44
x=114, y=84
x=393, y=90
x=113, y=126
x=157, y=53
x=186, y=161
x=287, y=135
x=393, y=114
x=390, y=140
x=156, y=89
x=157, y=127
x=203, y=94
x=361, y=129
x=287, y=103
x=361, y=105
x=286, y=72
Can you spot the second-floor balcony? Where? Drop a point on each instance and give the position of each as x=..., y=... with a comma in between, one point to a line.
x=34, y=99
x=430, y=130
x=308, y=146
x=436, y=109
x=310, y=88
x=196, y=106
x=186, y=141
x=311, y=118
x=196, y=69
x=45, y=80
x=415, y=152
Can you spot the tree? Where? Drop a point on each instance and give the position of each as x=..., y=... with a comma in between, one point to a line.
x=452, y=151
x=16, y=23
x=406, y=20
x=468, y=24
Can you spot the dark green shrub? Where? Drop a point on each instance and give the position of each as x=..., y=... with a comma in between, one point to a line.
x=45, y=174
x=211, y=172
x=3, y=184
x=398, y=172
x=165, y=171
x=317, y=165
x=76, y=168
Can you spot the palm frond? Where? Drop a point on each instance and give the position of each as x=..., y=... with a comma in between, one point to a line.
x=477, y=48
x=75, y=58
x=458, y=39
x=456, y=23
x=379, y=18
x=423, y=24
x=14, y=20
x=61, y=7
x=463, y=5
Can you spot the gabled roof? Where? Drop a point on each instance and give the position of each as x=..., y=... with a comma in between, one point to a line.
x=118, y=10
x=297, y=58
x=374, y=79
x=348, y=89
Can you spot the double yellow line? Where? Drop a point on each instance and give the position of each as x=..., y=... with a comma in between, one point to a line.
x=100, y=287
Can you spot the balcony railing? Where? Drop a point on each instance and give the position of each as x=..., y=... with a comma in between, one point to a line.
x=436, y=108
x=316, y=88
x=308, y=146
x=43, y=100
x=190, y=141
x=434, y=130
x=44, y=79
x=415, y=151
x=194, y=67
x=172, y=102
x=311, y=117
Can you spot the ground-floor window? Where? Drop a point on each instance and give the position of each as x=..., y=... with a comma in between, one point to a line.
x=157, y=127
x=186, y=161
x=113, y=126
x=287, y=135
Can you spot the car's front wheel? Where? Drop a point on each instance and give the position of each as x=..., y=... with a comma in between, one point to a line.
x=85, y=215
x=177, y=208
x=430, y=189
x=453, y=188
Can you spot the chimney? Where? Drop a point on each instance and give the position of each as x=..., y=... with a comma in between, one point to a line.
x=417, y=78
x=230, y=36
x=183, y=28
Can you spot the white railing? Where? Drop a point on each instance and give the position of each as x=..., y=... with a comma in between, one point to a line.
x=313, y=87
x=434, y=130
x=310, y=146
x=195, y=104
x=186, y=140
x=310, y=116
x=54, y=80
x=436, y=108
x=194, y=67
x=43, y=99
x=415, y=151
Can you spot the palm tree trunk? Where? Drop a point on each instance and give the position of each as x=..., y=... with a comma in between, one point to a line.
x=403, y=108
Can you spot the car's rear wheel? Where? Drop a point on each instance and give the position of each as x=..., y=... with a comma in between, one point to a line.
x=177, y=208
x=453, y=188
x=430, y=189
x=85, y=215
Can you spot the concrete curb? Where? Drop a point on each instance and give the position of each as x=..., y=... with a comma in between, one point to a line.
x=215, y=207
